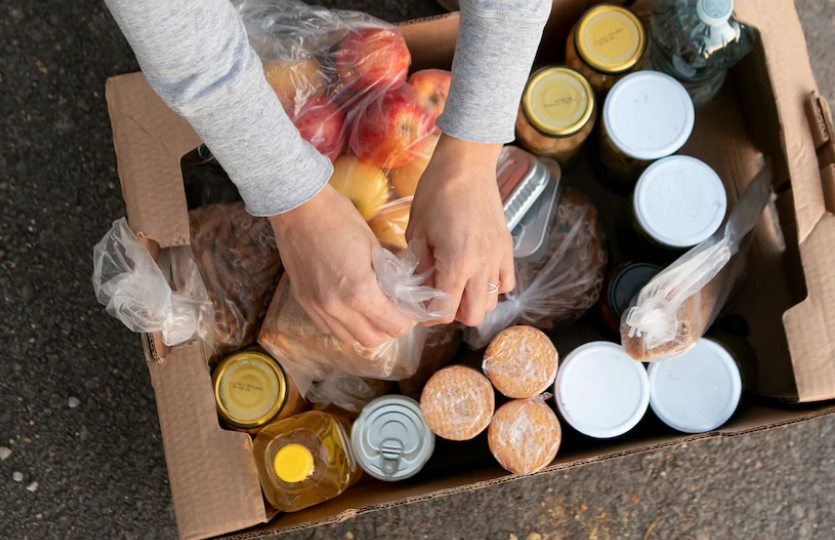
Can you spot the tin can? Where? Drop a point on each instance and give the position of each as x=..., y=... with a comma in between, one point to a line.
x=252, y=391
x=622, y=284
x=557, y=113
x=522, y=179
x=647, y=116
x=390, y=439
x=607, y=43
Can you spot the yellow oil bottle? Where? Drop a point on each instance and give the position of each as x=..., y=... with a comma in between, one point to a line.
x=305, y=460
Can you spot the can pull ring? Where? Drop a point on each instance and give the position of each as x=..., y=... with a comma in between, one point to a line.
x=391, y=450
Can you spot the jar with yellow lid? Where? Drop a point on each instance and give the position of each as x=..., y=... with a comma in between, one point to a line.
x=607, y=43
x=305, y=460
x=557, y=113
x=252, y=391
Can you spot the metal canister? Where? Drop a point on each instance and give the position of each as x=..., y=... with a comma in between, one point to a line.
x=252, y=390
x=390, y=439
x=522, y=179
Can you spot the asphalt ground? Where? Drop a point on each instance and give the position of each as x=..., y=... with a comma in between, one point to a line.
x=77, y=411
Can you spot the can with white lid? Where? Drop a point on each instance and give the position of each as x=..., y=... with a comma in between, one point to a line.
x=600, y=391
x=647, y=116
x=697, y=391
x=679, y=202
x=390, y=439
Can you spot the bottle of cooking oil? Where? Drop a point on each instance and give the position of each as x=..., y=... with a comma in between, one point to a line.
x=305, y=460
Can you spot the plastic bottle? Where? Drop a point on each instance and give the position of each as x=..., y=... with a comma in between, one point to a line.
x=305, y=460
x=697, y=41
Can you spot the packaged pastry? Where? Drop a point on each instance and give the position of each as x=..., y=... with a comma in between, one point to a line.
x=521, y=362
x=524, y=435
x=457, y=403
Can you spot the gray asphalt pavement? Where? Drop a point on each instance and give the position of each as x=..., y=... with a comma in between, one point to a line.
x=80, y=450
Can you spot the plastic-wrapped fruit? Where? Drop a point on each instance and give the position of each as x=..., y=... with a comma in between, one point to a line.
x=390, y=224
x=365, y=185
x=295, y=81
x=405, y=179
x=322, y=124
x=373, y=58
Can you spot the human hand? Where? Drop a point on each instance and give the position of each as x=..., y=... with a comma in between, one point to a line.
x=457, y=212
x=325, y=247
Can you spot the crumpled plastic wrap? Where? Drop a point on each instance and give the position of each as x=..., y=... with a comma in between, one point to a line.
x=239, y=262
x=525, y=435
x=679, y=304
x=439, y=350
x=457, y=403
x=343, y=393
x=310, y=356
x=521, y=362
x=558, y=287
x=133, y=288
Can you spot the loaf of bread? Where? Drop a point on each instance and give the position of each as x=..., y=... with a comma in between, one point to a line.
x=524, y=435
x=457, y=403
x=521, y=362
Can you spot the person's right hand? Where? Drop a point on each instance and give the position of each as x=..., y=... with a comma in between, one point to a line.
x=325, y=247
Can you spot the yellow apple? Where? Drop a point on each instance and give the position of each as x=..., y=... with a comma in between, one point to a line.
x=365, y=185
x=405, y=178
x=295, y=82
x=389, y=226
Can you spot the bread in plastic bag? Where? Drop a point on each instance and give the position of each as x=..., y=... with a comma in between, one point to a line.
x=521, y=362
x=439, y=350
x=457, y=403
x=310, y=356
x=679, y=304
x=133, y=288
x=346, y=394
x=559, y=286
x=239, y=262
x=525, y=435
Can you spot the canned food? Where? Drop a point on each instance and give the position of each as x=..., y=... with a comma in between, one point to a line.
x=623, y=284
x=678, y=202
x=252, y=390
x=557, y=113
x=390, y=439
x=522, y=179
x=607, y=43
x=697, y=391
x=600, y=391
x=647, y=116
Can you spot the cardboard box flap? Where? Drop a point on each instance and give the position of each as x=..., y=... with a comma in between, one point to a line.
x=214, y=482
x=150, y=140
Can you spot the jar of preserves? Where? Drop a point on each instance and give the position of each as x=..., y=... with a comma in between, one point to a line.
x=252, y=391
x=557, y=113
x=646, y=116
x=607, y=43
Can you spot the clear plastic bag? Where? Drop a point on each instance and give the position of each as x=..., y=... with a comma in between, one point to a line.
x=521, y=362
x=341, y=77
x=309, y=356
x=557, y=287
x=525, y=435
x=679, y=304
x=347, y=393
x=239, y=262
x=439, y=350
x=134, y=289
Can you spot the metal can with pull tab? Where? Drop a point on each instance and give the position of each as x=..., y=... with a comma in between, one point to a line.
x=390, y=439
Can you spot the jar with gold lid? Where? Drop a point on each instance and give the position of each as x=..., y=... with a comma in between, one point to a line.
x=557, y=113
x=607, y=43
x=252, y=391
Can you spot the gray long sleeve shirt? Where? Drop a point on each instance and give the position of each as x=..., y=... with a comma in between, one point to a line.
x=196, y=56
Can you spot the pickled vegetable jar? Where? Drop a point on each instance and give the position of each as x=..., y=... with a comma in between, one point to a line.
x=557, y=113
x=607, y=43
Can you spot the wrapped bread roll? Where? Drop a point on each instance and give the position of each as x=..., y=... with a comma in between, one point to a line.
x=521, y=362
x=524, y=435
x=457, y=403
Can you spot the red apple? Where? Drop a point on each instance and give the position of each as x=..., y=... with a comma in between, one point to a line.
x=432, y=86
x=295, y=81
x=322, y=124
x=389, y=131
x=372, y=58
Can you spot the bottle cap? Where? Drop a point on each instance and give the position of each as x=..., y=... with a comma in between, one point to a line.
x=390, y=439
x=293, y=463
x=680, y=201
x=697, y=391
x=600, y=391
x=714, y=12
x=250, y=389
x=610, y=39
x=648, y=115
x=558, y=101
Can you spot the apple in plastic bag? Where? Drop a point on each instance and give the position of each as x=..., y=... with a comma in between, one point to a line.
x=322, y=124
x=365, y=185
x=295, y=81
x=372, y=58
x=432, y=89
x=389, y=226
x=388, y=132
x=405, y=179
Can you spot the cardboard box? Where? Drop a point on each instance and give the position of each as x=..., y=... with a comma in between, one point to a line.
x=769, y=106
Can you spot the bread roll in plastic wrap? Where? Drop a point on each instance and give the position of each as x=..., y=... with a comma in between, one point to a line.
x=457, y=403
x=524, y=435
x=521, y=362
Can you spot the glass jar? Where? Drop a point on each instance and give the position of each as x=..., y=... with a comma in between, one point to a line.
x=252, y=391
x=622, y=284
x=646, y=116
x=678, y=202
x=557, y=113
x=607, y=43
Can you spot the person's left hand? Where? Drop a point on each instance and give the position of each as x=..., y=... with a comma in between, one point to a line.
x=457, y=213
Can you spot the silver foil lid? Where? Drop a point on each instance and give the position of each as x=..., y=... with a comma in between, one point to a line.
x=521, y=179
x=529, y=234
x=390, y=439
